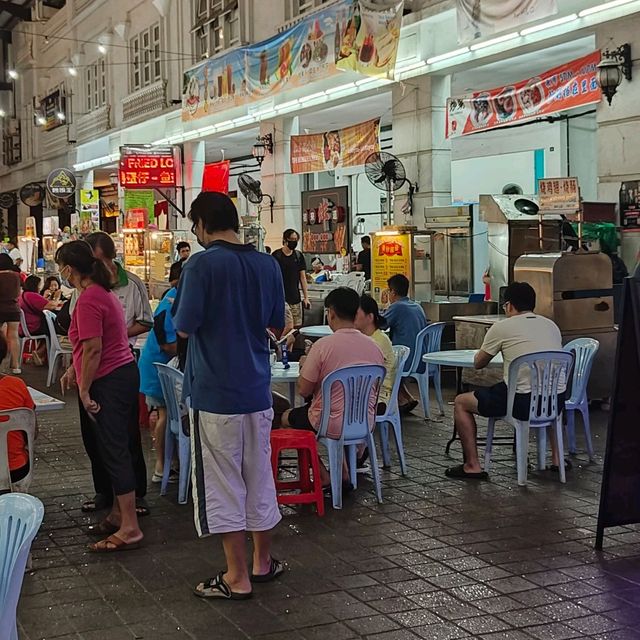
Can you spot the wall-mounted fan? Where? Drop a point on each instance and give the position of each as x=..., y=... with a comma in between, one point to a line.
x=386, y=172
x=252, y=191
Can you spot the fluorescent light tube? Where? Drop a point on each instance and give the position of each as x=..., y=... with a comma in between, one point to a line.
x=449, y=54
x=549, y=25
x=498, y=40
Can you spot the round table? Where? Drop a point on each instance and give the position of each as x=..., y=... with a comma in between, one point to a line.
x=289, y=376
x=318, y=331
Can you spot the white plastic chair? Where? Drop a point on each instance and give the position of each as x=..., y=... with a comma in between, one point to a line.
x=360, y=383
x=547, y=369
x=28, y=337
x=392, y=415
x=16, y=420
x=584, y=351
x=20, y=518
x=56, y=350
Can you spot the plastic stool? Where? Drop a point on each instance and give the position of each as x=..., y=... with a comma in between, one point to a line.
x=304, y=442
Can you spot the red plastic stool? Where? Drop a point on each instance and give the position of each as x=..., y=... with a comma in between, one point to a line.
x=304, y=442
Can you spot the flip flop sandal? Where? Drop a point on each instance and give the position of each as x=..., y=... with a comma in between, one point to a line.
x=218, y=588
x=103, y=528
x=459, y=473
x=142, y=509
x=117, y=544
x=276, y=568
x=406, y=409
x=98, y=503
x=567, y=466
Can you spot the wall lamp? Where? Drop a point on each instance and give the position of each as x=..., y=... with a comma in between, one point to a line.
x=263, y=146
x=614, y=65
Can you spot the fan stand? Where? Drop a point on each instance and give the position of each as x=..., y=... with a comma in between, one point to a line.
x=389, y=207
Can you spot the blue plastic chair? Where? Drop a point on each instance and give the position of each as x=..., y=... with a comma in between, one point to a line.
x=547, y=369
x=584, y=351
x=20, y=518
x=392, y=415
x=427, y=341
x=360, y=383
x=171, y=383
x=16, y=420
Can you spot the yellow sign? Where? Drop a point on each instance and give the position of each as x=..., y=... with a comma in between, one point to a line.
x=390, y=255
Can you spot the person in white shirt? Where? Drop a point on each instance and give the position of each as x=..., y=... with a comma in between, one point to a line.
x=14, y=253
x=521, y=333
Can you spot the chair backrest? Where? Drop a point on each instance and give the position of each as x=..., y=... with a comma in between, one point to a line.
x=23, y=325
x=402, y=355
x=427, y=341
x=584, y=351
x=360, y=383
x=20, y=518
x=548, y=370
x=53, y=336
x=16, y=420
x=171, y=381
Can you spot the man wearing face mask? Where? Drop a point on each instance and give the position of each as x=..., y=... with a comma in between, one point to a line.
x=293, y=267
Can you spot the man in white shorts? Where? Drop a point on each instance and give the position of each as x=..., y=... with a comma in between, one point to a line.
x=228, y=384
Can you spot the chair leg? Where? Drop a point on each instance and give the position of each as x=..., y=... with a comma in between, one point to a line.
x=169, y=448
x=438, y=387
x=184, y=457
x=522, y=452
x=384, y=443
x=571, y=431
x=559, y=436
x=353, y=464
x=397, y=432
x=335, y=449
x=317, y=483
x=375, y=472
x=489, y=444
x=584, y=410
x=52, y=368
x=423, y=385
x=541, y=437
x=23, y=342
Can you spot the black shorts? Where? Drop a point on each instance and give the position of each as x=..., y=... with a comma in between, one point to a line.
x=9, y=316
x=299, y=418
x=492, y=402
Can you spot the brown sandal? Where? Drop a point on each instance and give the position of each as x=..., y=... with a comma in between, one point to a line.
x=103, y=528
x=117, y=544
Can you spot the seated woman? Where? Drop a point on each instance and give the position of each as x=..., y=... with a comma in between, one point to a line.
x=33, y=304
x=14, y=395
x=52, y=290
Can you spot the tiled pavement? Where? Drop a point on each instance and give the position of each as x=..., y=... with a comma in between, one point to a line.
x=439, y=559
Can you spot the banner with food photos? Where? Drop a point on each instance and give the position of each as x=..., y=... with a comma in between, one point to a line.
x=346, y=35
x=568, y=86
x=348, y=147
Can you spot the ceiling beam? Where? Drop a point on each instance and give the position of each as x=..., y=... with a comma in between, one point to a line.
x=19, y=11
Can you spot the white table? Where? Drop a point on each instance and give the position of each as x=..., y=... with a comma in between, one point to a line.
x=459, y=358
x=45, y=402
x=289, y=376
x=318, y=331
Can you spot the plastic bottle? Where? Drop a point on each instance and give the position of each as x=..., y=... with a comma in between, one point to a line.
x=285, y=356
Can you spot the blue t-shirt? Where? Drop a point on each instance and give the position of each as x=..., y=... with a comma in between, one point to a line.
x=163, y=324
x=406, y=318
x=228, y=296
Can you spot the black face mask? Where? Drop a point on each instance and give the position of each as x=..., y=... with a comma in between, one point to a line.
x=292, y=244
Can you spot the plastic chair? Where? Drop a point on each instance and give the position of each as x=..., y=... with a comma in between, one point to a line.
x=171, y=383
x=304, y=442
x=360, y=383
x=392, y=415
x=56, y=350
x=20, y=518
x=28, y=337
x=16, y=420
x=547, y=369
x=427, y=341
x=584, y=351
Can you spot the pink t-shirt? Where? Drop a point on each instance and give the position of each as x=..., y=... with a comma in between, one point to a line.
x=98, y=313
x=346, y=347
x=33, y=305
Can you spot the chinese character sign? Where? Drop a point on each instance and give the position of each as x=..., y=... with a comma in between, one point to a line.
x=148, y=168
x=571, y=85
x=390, y=255
x=559, y=195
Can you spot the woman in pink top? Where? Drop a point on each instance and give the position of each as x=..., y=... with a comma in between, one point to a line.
x=107, y=378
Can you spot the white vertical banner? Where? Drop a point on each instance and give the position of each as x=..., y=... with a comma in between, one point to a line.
x=483, y=18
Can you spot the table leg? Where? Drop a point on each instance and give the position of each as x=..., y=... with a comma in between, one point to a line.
x=454, y=437
x=292, y=394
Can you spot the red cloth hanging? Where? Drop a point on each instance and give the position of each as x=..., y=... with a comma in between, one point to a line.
x=216, y=177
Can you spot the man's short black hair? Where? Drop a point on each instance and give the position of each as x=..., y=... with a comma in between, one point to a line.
x=182, y=245
x=366, y=240
x=287, y=233
x=521, y=295
x=399, y=284
x=344, y=302
x=216, y=211
x=175, y=271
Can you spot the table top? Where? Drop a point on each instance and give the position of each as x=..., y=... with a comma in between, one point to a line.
x=45, y=402
x=462, y=358
x=482, y=319
x=279, y=374
x=318, y=331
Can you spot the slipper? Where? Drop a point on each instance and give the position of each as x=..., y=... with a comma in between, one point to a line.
x=218, y=588
x=276, y=568
x=360, y=462
x=567, y=466
x=142, y=509
x=156, y=478
x=99, y=502
x=103, y=528
x=118, y=544
x=460, y=474
x=406, y=409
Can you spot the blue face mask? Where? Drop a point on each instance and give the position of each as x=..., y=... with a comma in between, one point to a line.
x=65, y=282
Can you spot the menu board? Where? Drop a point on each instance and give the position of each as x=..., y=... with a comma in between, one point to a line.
x=325, y=221
x=630, y=204
x=390, y=255
x=559, y=195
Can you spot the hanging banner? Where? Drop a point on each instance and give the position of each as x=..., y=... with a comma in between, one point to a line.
x=144, y=167
x=482, y=18
x=352, y=31
x=348, y=147
x=216, y=177
x=138, y=208
x=571, y=85
x=89, y=211
x=391, y=254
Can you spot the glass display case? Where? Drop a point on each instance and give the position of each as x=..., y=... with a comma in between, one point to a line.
x=148, y=253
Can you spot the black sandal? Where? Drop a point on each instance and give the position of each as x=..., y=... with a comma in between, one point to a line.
x=142, y=509
x=276, y=568
x=99, y=502
x=218, y=588
x=567, y=466
x=459, y=473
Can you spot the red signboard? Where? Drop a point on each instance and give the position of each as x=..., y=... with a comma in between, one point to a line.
x=148, y=167
x=571, y=85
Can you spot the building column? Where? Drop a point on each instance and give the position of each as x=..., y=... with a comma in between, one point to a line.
x=419, y=112
x=192, y=171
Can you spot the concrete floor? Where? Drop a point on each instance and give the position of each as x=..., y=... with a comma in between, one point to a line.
x=439, y=559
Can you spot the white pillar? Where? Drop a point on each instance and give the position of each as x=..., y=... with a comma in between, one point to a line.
x=192, y=171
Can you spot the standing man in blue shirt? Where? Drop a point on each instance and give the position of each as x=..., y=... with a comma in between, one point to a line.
x=229, y=294
x=405, y=318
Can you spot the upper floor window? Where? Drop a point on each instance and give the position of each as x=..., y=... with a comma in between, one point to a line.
x=216, y=26
x=96, y=85
x=300, y=7
x=146, y=61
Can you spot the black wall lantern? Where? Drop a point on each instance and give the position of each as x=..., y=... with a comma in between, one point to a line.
x=614, y=65
x=263, y=146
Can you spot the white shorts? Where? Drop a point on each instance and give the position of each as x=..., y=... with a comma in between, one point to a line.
x=233, y=487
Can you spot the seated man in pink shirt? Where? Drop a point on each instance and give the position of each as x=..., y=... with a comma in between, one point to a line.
x=344, y=348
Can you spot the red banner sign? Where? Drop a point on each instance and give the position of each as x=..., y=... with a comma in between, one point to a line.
x=148, y=167
x=571, y=85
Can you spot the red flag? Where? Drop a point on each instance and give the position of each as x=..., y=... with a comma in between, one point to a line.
x=216, y=177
